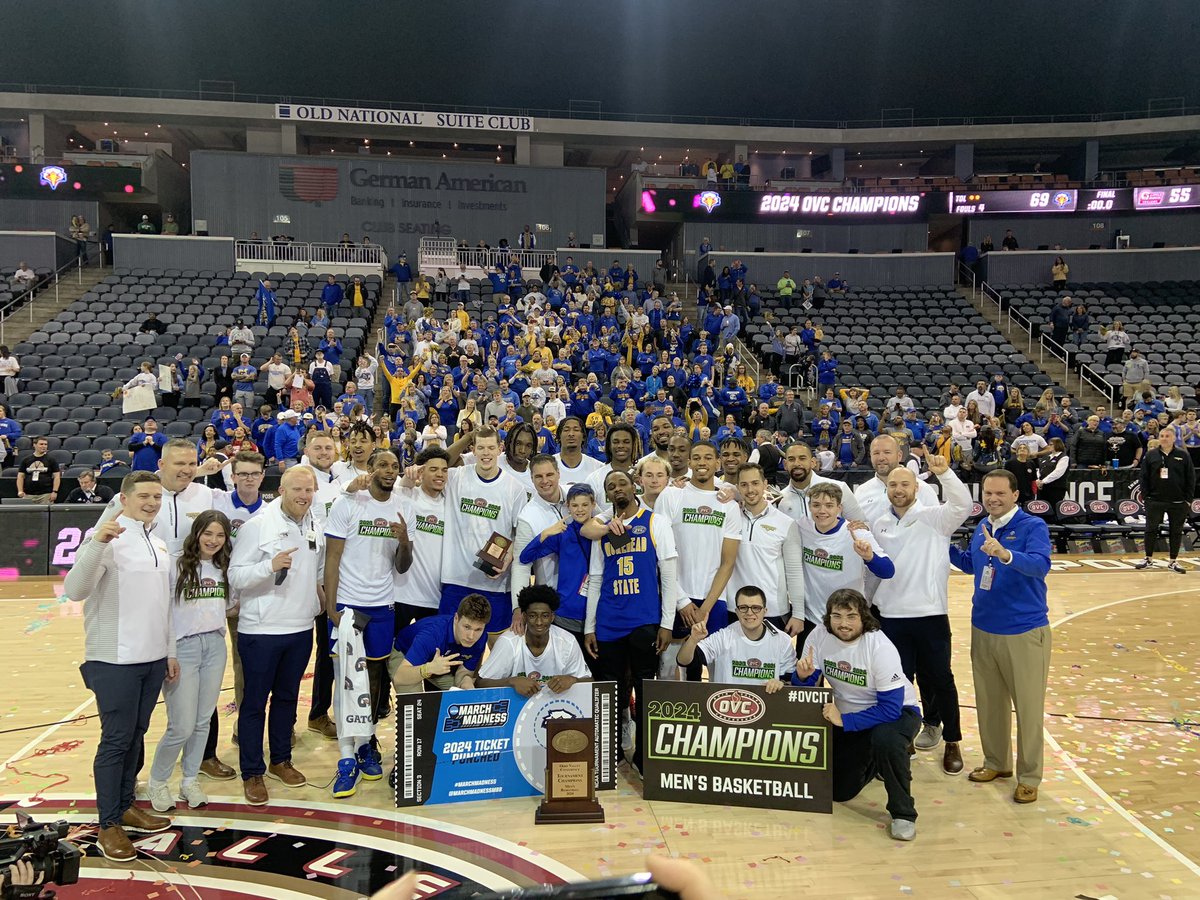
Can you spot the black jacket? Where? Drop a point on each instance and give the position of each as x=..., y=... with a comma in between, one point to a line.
x=1179, y=485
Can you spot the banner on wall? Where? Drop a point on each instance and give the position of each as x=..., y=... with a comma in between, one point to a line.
x=457, y=746
x=737, y=745
x=401, y=118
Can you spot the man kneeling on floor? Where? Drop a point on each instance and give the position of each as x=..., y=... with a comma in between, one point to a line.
x=545, y=656
x=874, y=712
x=440, y=652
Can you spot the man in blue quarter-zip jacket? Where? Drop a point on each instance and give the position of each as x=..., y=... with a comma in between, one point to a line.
x=1009, y=555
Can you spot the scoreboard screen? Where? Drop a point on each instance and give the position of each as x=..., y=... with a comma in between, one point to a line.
x=979, y=203
x=1181, y=196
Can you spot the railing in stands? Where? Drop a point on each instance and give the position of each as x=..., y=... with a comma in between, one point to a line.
x=485, y=258
x=309, y=254
x=1014, y=320
x=28, y=297
x=967, y=277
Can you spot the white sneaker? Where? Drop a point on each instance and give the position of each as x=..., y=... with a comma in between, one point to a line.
x=902, y=829
x=193, y=795
x=930, y=737
x=159, y=795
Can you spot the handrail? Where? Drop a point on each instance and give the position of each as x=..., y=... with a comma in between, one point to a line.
x=965, y=272
x=30, y=293
x=1015, y=319
x=308, y=253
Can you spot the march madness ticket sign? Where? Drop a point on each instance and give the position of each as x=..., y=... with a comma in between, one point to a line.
x=455, y=746
x=737, y=745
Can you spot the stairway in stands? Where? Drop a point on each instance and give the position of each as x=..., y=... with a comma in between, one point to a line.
x=382, y=390
x=1051, y=366
x=49, y=303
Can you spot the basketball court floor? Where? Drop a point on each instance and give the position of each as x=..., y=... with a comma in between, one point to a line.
x=1118, y=814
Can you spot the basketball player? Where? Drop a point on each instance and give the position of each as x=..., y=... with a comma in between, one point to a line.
x=874, y=712
x=424, y=509
x=752, y=652
x=366, y=540
x=708, y=533
x=360, y=444
x=481, y=499
x=632, y=591
x=545, y=656
x=623, y=447
x=574, y=465
x=914, y=603
x=835, y=556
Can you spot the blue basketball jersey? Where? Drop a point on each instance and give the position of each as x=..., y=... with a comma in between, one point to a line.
x=629, y=594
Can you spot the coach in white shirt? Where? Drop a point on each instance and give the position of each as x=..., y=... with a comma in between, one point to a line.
x=913, y=604
x=801, y=467
x=545, y=507
x=872, y=496
x=276, y=567
x=771, y=557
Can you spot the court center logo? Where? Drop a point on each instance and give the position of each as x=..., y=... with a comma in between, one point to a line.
x=309, y=184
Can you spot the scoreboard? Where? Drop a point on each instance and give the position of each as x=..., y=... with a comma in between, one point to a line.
x=1070, y=200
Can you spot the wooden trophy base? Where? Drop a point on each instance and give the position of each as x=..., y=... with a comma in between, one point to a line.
x=568, y=812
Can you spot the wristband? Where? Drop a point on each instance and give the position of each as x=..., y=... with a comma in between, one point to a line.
x=424, y=670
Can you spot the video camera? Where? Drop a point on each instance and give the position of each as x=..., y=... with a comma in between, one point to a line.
x=44, y=848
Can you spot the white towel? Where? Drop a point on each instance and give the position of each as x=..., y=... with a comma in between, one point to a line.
x=353, y=709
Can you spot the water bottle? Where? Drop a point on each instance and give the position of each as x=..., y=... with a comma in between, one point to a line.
x=1116, y=464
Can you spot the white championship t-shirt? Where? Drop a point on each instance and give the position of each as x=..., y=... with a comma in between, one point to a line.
x=510, y=657
x=701, y=524
x=568, y=476
x=474, y=509
x=856, y=672
x=735, y=659
x=425, y=517
x=830, y=564
x=369, y=556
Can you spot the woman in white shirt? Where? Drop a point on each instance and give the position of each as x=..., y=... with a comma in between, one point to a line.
x=1174, y=400
x=200, y=592
x=9, y=367
x=434, y=432
x=964, y=433
x=1029, y=438
x=138, y=391
x=1117, y=342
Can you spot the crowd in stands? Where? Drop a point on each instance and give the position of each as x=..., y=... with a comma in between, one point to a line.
x=605, y=347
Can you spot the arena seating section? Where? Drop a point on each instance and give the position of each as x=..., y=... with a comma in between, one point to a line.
x=922, y=337
x=1162, y=318
x=71, y=367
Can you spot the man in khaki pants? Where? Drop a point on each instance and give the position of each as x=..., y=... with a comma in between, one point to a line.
x=1009, y=555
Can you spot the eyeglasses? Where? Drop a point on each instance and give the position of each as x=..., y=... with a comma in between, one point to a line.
x=248, y=474
x=751, y=610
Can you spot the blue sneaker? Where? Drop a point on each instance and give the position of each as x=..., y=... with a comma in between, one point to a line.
x=370, y=762
x=346, y=782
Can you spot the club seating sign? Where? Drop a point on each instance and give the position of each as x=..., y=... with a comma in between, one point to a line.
x=455, y=746
x=735, y=745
